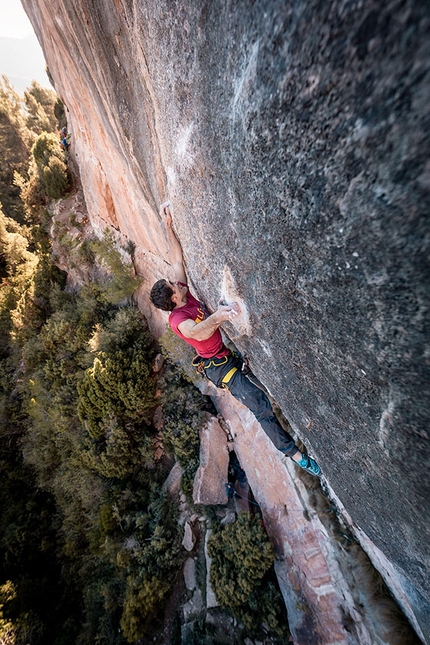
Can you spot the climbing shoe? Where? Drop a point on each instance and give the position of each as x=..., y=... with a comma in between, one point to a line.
x=308, y=464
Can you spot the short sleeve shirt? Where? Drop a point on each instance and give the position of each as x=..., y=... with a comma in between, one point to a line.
x=195, y=310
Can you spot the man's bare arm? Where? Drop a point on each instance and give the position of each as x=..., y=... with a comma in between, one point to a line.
x=206, y=328
x=176, y=257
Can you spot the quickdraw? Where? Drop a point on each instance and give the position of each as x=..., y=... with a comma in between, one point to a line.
x=199, y=363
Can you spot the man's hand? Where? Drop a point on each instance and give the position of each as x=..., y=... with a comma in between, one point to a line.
x=165, y=214
x=227, y=312
x=175, y=257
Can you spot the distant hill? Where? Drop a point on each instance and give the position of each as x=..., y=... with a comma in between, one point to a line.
x=22, y=60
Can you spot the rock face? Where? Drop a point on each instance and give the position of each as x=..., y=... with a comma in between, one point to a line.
x=211, y=476
x=292, y=140
x=189, y=540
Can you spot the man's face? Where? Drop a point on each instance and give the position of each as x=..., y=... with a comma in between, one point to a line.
x=178, y=289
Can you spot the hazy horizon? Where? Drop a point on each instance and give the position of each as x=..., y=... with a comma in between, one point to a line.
x=21, y=57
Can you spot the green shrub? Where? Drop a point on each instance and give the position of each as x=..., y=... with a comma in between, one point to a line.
x=123, y=451
x=14, y=148
x=122, y=282
x=55, y=178
x=40, y=103
x=32, y=191
x=85, y=253
x=141, y=606
x=242, y=559
x=106, y=520
x=51, y=166
x=126, y=328
x=8, y=631
x=108, y=515
x=180, y=354
x=186, y=410
x=150, y=548
x=70, y=504
x=45, y=147
x=117, y=385
x=183, y=440
x=17, y=631
x=241, y=554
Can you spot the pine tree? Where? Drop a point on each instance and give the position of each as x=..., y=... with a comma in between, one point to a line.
x=51, y=165
x=118, y=385
x=141, y=605
x=15, y=143
x=122, y=282
x=40, y=103
x=241, y=554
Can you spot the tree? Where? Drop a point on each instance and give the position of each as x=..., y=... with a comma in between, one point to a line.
x=241, y=554
x=141, y=605
x=185, y=410
x=40, y=103
x=51, y=165
x=15, y=142
x=120, y=455
x=79, y=514
x=20, y=122
x=122, y=282
x=118, y=385
x=242, y=559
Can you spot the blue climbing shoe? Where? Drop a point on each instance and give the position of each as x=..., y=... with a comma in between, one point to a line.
x=308, y=464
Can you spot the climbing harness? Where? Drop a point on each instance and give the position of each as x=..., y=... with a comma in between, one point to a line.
x=198, y=362
x=203, y=364
x=227, y=378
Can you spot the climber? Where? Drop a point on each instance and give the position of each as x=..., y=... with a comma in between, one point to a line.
x=190, y=320
x=64, y=139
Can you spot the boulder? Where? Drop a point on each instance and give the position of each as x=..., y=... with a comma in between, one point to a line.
x=194, y=606
x=211, y=476
x=190, y=574
x=173, y=481
x=211, y=600
x=189, y=540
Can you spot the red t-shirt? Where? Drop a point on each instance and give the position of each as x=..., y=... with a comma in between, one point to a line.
x=195, y=310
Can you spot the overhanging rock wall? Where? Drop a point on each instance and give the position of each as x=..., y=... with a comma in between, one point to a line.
x=292, y=139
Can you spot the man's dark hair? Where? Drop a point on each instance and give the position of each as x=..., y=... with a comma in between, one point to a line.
x=161, y=296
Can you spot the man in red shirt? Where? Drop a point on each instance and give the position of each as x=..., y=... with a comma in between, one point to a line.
x=191, y=321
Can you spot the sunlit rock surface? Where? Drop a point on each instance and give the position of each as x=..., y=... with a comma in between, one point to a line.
x=211, y=476
x=292, y=140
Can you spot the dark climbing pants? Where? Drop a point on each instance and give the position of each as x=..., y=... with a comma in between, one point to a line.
x=226, y=373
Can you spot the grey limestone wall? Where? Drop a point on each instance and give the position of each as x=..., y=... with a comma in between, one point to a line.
x=297, y=161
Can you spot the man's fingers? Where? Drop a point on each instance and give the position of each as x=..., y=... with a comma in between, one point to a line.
x=164, y=211
x=164, y=206
x=232, y=310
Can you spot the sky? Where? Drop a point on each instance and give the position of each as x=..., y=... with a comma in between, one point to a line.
x=14, y=22
x=21, y=59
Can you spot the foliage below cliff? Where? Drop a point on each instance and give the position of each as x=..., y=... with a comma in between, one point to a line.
x=87, y=529
x=98, y=511
x=242, y=559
